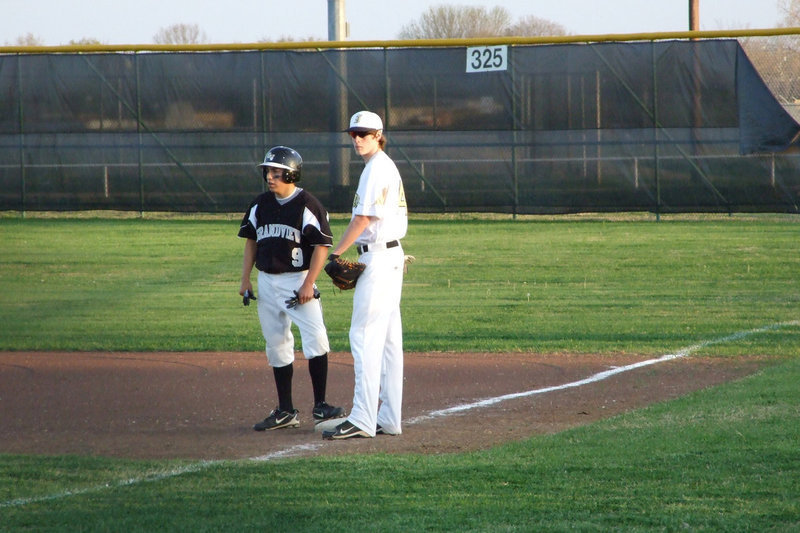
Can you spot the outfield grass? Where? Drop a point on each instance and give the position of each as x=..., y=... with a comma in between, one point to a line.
x=592, y=286
x=723, y=459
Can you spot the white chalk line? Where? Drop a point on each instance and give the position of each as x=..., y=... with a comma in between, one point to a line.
x=194, y=467
x=168, y=474
x=302, y=448
x=597, y=377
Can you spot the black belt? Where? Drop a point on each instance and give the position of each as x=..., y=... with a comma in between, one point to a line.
x=364, y=248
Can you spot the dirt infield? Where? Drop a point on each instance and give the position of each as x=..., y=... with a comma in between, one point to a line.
x=203, y=405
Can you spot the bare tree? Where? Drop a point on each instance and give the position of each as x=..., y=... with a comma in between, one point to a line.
x=454, y=22
x=790, y=18
x=532, y=26
x=290, y=39
x=777, y=59
x=84, y=41
x=180, y=34
x=790, y=11
x=28, y=39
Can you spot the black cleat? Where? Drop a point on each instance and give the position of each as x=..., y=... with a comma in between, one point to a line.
x=278, y=419
x=345, y=430
x=323, y=411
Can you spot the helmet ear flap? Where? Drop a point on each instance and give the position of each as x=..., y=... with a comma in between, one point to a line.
x=290, y=176
x=286, y=159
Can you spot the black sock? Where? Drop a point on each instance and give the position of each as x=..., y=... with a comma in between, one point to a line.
x=318, y=368
x=283, y=382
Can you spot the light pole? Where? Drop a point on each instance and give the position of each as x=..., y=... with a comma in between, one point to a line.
x=339, y=157
x=694, y=15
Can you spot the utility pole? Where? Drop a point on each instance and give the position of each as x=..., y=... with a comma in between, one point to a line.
x=339, y=163
x=337, y=25
x=694, y=15
x=697, y=115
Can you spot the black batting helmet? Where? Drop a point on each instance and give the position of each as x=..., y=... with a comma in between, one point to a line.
x=285, y=158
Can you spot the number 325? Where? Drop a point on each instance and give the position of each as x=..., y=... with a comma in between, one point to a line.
x=487, y=58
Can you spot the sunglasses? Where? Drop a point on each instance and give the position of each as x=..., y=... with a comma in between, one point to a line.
x=360, y=134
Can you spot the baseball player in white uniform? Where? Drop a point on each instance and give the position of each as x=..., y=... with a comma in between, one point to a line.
x=379, y=220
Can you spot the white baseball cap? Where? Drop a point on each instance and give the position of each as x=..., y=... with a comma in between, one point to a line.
x=365, y=121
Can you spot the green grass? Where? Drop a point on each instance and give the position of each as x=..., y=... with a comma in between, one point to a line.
x=722, y=459
x=539, y=285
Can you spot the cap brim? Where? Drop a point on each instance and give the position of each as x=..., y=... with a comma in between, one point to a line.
x=275, y=165
x=358, y=129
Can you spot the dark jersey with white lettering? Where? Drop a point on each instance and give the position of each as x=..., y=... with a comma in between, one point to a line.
x=286, y=233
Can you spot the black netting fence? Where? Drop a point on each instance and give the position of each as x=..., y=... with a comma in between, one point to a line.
x=662, y=126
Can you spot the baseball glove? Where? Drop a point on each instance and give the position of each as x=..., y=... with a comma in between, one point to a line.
x=344, y=272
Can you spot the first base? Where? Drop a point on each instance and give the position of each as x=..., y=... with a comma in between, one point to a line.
x=328, y=425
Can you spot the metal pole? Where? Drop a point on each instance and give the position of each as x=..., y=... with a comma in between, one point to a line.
x=772, y=170
x=514, y=133
x=21, y=119
x=598, y=103
x=655, y=134
x=337, y=25
x=694, y=15
x=266, y=113
x=139, y=134
x=339, y=157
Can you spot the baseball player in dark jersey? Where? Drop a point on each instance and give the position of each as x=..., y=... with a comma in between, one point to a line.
x=287, y=239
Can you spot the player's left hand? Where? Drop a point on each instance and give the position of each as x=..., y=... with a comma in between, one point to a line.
x=247, y=296
x=291, y=303
x=343, y=272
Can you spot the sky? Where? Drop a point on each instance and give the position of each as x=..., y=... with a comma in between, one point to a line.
x=57, y=22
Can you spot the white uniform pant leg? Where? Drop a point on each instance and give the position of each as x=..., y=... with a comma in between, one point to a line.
x=276, y=320
x=310, y=323
x=390, y=411
x=376, y=324
x=275, y=325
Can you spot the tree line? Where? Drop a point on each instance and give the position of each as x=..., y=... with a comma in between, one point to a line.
x=438, y=22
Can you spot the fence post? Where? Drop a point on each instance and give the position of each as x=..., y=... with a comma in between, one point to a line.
x=139, y=133
x=514, y=132
x=655, y=133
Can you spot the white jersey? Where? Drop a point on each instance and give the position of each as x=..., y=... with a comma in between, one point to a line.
x=380, y=194
x=376, y=329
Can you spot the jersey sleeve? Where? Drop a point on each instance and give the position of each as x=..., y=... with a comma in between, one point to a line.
x=247, y=229
x=316, y=226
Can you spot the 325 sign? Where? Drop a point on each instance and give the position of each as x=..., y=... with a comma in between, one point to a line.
x=487, y=58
